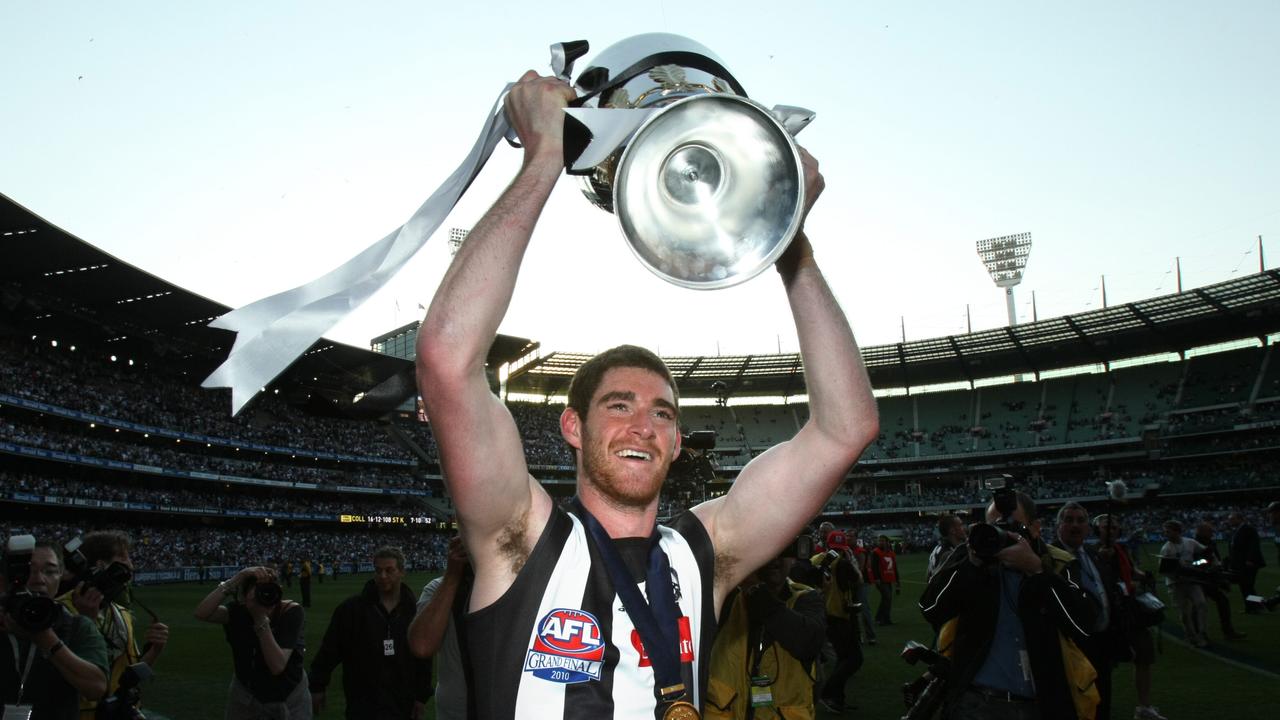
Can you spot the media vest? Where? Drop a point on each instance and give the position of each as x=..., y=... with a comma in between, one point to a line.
x=559, y=645
x=729, y=689
x=115, y=623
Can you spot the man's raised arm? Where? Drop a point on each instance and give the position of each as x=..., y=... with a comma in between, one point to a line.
x=778, y=492
x=480, y=450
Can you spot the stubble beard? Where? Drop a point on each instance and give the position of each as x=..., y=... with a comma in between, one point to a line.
x=611, y=480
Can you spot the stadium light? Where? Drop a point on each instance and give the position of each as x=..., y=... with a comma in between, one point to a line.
x=1006, y=258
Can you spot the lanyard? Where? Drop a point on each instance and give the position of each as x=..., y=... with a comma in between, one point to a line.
x=31, y=655
x=657, y=620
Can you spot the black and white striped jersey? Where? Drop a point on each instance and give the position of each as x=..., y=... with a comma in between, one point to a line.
x=559, y=644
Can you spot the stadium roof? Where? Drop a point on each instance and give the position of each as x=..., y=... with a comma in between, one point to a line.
x=1241, y=308
x=57, y=286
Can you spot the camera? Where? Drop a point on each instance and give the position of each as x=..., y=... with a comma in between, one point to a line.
x=111, y=580
x=923, y=696
x=32, y=613
x=123, y=703
x=987, y=539
x=268, y=594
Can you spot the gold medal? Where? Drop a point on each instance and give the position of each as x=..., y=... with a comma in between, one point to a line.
x=681, y=710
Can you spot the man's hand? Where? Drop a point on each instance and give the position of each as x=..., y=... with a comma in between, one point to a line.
x=457, y=560
x=317, y=702
x=1020, y=557
x=419, y=710
x=535, y=108
x=88, y=601
x=800, y=249
x=157, y=636
x=814, y=183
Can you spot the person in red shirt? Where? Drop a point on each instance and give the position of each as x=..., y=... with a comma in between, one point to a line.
x=884, y=570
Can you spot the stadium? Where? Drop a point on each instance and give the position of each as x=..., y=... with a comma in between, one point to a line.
x=105, y=427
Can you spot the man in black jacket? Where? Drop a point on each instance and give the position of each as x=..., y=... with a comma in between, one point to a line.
x=1009, y=613
x=368, y=634
x=1244, y=557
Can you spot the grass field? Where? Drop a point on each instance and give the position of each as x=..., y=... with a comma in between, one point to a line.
x=192, y=677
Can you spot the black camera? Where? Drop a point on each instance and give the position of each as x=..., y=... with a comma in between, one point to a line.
x=111, y=581
x=123, y=703
x=32, y=613
x=987, y=539
x=923, y=696
x=268, y=594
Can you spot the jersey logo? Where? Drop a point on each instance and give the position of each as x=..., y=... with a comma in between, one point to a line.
x=567, y=648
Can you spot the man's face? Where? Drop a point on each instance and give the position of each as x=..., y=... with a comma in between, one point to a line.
x=630, y=437
x=957, y=533
x=1204, y=533
x=46, y=571
x=387, y=575
x=1235, y=520
x=1073, y=527
x=1173, y=534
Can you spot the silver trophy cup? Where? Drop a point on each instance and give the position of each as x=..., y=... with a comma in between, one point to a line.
x=707, y=184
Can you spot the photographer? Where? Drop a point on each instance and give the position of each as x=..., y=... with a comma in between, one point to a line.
x=265, y=634
x=368, y=636
x=1176, y=559
x=49, y=667
x=1007, y=612
x=434, y=631
x=114, y=621
x=951, y=535
x=771, y=632
x=1128, y=632
x=842, y=582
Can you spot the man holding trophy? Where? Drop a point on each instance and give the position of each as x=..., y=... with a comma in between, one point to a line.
x=595, y=610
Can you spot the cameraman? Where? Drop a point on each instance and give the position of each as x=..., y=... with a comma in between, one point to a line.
x=842, y=582
x=49, y=669
x=1006, y=616
x=951, y=535
x=771, y=633
x=1128, y=633
x=267, y=643
x=114, y=621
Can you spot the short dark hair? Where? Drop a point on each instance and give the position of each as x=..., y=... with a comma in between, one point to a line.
x=1072, y=505
x=944, y=524
x=587, y=379
x=387, y=551
x=104, y=545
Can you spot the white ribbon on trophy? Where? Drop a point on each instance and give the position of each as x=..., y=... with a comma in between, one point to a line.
x=273, y=332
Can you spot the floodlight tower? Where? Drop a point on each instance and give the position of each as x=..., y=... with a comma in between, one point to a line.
x=1005, y=258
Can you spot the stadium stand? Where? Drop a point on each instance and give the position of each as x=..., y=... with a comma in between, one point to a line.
x=101, y=405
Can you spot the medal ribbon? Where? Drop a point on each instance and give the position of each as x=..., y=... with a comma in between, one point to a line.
x=656, y=619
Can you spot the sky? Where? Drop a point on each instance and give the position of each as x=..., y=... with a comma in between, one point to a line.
x=239, y=149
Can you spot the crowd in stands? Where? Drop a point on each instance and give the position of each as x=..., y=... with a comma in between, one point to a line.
x=109, y=448
x=157, y=548
x=210, y=498
x=116, y=390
